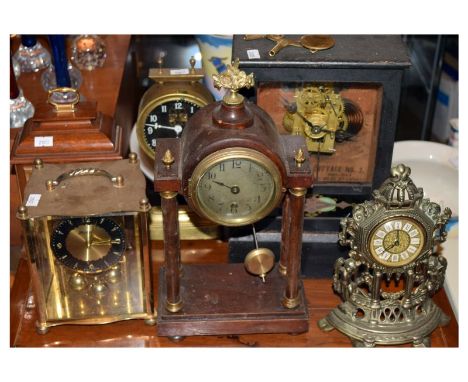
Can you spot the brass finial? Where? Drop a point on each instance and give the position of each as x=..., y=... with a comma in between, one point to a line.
x=132, y=158
x=22, y=212
x=119, y=181
x=168, y=158
x=192, y=62
x=299, y=157
x=38, y=163
x=144, y=205
x=160, y=61
x=50, y=185
x=233, y=79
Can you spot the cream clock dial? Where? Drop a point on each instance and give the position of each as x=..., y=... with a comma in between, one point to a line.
x=397, y=241
x=235, y=186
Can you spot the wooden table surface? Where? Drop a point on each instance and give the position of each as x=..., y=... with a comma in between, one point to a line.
x=135, y=333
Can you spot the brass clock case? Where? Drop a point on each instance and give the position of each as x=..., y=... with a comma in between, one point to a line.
x=86, y=238
x=227, y=156
x=190, y=93
x=392, y=271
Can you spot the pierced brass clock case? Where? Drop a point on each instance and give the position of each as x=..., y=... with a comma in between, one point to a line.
x=392, y=270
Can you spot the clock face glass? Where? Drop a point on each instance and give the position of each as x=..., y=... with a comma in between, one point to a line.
x=397, y=241
x=167, y=120
x=89, y=245
x=238, y=190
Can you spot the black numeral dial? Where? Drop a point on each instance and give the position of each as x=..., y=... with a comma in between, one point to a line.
x=88, y=245
x=166, y=120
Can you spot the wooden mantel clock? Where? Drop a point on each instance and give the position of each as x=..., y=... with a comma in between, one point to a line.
x=232, y=167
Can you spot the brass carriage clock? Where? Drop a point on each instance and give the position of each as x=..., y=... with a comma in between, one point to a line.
x=86, y=236
x=392, y=271
x=233, y=168
x=167, y=105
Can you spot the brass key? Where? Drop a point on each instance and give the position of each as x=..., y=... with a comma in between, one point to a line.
x=313, y=43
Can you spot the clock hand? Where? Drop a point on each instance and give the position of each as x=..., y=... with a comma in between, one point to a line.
x=314, y=128
x=234, y=189
x=176, y=128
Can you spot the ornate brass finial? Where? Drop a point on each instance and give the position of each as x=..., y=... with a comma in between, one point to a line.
x=299, y=157
x=399, y=190
x=168, y=158
x=233, y=79
x=38, y=163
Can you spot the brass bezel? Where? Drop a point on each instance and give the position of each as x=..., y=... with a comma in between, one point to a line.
x=410, y=259
x=158, y=95
x=235, y=153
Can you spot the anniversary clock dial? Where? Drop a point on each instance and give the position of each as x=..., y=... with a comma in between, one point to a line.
x=397, y=241
x=235, y=186
x=89, y=245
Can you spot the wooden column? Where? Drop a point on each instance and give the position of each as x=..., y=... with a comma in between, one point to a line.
x=285, y=236
x=171, y=250
x=296, y=212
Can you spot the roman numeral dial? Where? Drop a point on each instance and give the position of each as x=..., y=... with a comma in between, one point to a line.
x=397, y=241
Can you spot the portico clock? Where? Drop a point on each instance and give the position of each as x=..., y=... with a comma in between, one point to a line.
x=233, y=168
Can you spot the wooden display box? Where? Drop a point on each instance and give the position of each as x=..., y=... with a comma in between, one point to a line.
x=363, y=70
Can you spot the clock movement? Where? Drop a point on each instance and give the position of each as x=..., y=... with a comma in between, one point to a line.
x=393, y=269
x=233, y=168
x=86, y=237
x=168, y=104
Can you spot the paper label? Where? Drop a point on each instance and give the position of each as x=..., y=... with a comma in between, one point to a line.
x=43, y=141
x=33, y=200
x=179, y=71
x=253, y=54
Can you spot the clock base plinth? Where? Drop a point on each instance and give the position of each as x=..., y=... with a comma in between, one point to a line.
x=223, y=299
x=364, y=334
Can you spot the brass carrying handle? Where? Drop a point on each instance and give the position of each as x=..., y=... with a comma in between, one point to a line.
x=70, y=97
x=117, y=181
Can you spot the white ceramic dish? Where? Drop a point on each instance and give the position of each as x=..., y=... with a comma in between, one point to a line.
x=434, y=167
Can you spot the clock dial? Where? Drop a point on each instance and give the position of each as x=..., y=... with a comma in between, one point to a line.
x=166, y=120
x=397, y=241
x=236, y=188
x=88, y=245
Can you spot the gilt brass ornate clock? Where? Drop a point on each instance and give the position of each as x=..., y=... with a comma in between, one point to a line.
x=86, y=234
x=167, y=105
x=233, y=168
x=393, y=270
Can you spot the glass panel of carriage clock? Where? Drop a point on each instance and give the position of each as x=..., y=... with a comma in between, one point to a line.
x=97, y=264
x=340, y=122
